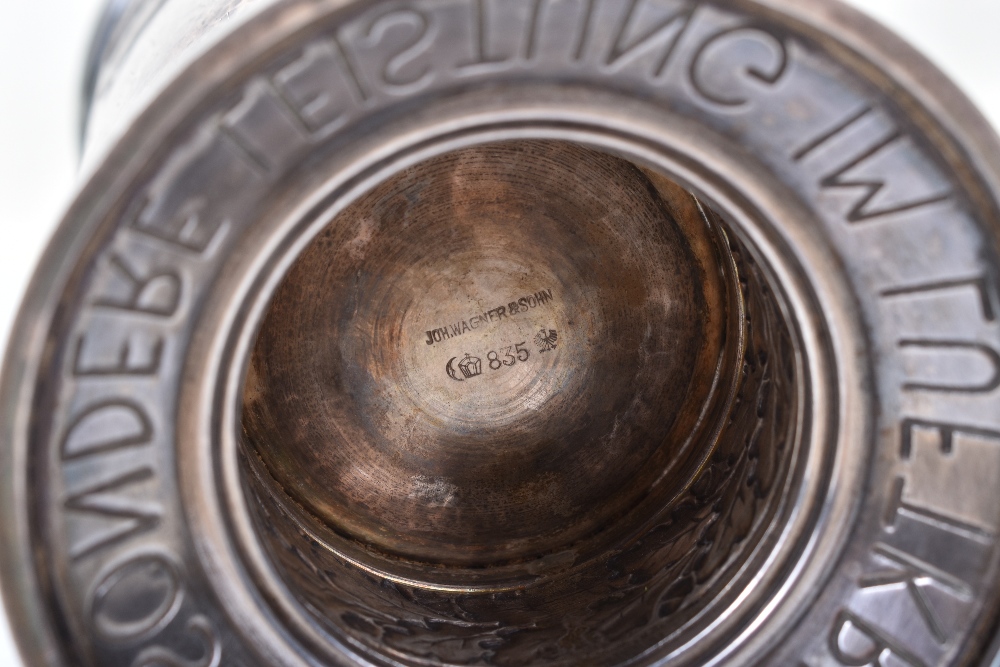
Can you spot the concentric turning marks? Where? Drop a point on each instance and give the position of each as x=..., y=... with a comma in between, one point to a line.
x=496, y=355
x=524, y=401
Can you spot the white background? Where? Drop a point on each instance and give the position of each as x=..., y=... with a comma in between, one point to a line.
x=43, y=45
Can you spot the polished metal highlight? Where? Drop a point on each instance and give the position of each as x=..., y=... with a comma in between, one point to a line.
x=511, y=332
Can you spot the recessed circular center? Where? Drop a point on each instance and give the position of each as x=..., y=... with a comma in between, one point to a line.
x=492, y=356
x=482, y=346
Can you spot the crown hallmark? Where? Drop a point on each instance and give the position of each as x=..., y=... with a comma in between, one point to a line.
x=470, y=366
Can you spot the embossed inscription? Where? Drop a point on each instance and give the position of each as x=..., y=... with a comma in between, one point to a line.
x=409, y=31
x=114, y=505
x=948, y=353
x=866, y=155
x=926, y=587
x=914, y=576
x=125, y=362
x=984, y=288
x=158, y=293
x=406, y=50
x=691, y=58
x=929, y=588
x=137, y=598
x=202, y=631
x=713, y=76
x=854, y=641
x=636, y=37
x=120, y=516
x=319, y=87
x=106, y=426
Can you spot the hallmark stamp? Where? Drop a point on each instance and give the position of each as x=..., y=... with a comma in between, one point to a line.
x=546, y=340
x=493, y=316
x=471, y=367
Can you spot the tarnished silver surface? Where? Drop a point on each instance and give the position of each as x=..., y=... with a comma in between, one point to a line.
x=514, y=332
